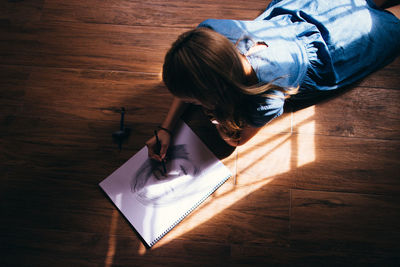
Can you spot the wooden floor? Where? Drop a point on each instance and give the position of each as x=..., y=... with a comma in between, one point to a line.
x=319, y=186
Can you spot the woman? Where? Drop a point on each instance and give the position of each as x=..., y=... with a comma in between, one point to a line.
x=241, y=72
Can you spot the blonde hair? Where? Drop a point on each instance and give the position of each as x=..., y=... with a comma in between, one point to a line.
x=204, y=65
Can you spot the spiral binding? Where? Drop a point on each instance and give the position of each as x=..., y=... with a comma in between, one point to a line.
x=189, y=211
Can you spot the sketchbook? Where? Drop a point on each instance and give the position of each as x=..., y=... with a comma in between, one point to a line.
x=153, y=201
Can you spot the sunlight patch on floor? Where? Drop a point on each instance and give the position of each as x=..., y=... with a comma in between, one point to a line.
x=260, y=161
x=226, y=196
x=112, y=241
x=268, y=157
x=305, y=142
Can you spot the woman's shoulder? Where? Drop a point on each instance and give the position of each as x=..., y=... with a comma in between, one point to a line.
x=261, y=109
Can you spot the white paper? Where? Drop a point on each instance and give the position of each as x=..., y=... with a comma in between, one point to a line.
x=154, y=203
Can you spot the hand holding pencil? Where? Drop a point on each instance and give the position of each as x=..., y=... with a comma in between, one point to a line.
x=158, y=146
x=157, y=150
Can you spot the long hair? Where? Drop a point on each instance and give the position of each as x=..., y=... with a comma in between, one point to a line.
x=204, y=65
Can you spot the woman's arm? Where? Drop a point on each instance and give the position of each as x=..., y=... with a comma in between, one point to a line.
x=175, y=111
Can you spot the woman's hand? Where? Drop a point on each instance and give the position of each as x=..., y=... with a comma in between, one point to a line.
x=164, y=133
x=155, y=152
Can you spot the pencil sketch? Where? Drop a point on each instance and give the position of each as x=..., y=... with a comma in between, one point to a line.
x=154, y=201
x=152, y=186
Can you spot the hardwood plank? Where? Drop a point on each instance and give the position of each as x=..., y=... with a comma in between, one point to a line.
x=60, y=206
x=350, y=165
x=91, y=139
x=345, y=228
x=20, y=12
x=387, y=77
x=68, y=248
x=87, y=46
x=360, y=112
x=185, y=14
x=96, y=95
x=12, y=90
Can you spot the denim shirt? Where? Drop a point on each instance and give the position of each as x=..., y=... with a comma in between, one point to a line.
x=315, y=45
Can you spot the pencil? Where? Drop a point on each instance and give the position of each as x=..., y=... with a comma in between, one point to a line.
x=159, y=150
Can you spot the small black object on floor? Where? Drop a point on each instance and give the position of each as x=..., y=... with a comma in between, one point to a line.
x=123, y=133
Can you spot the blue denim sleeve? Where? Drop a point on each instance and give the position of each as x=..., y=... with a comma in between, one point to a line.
x=264, y=109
